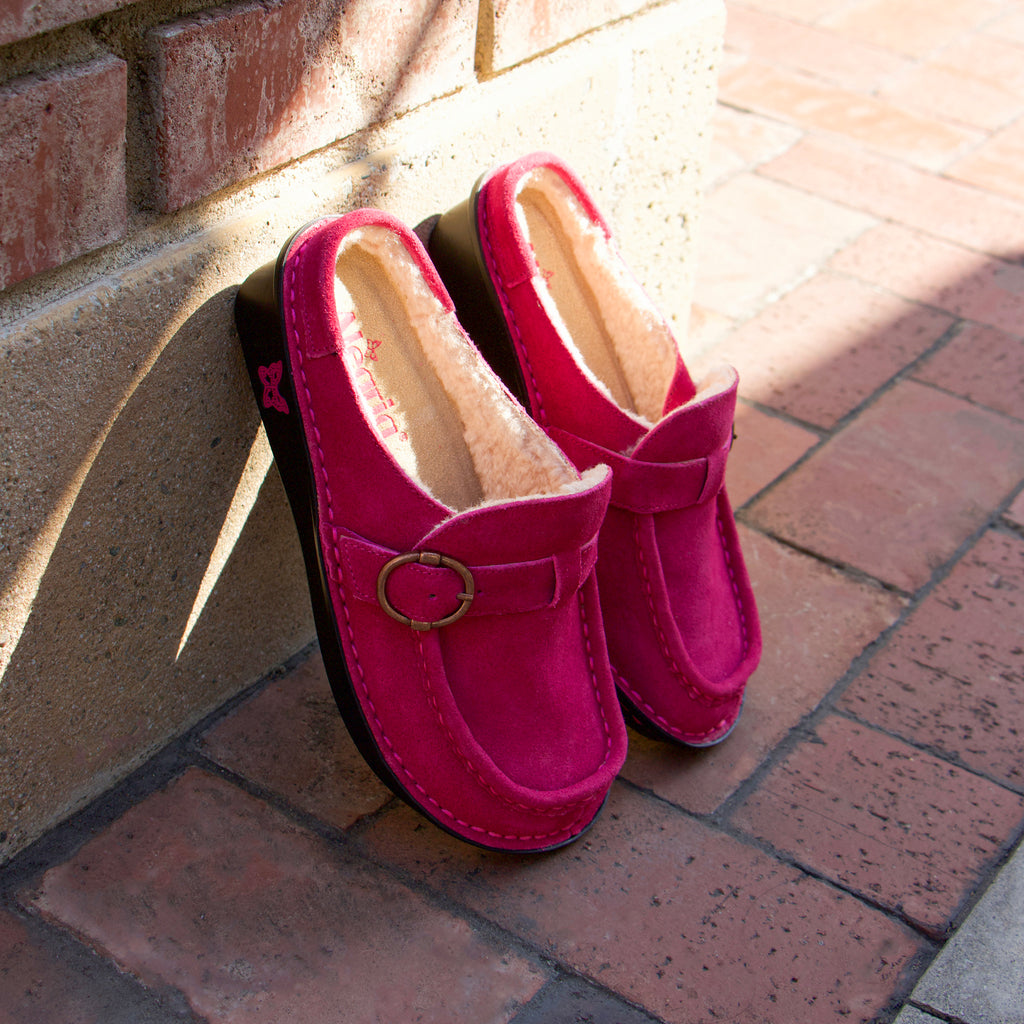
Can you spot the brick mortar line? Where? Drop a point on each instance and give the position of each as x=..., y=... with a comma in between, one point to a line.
x=349, y=847
x=826, y=434
x=929, y=945
x=985, y=877
x=337, y=835
x=65, y=841
x=920, y=931
x=1006, y=527
x=562, y=976
x=183, y=753
x=881, y=289
x=828, y=705
x=851, y=572
x=947, y=756
x=68, y=948
x=823, y=433
x=352, y=843
x=973, y=402
x=482, y=73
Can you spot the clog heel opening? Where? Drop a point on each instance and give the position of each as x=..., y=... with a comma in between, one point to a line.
x=616, y=334
x=431, y=400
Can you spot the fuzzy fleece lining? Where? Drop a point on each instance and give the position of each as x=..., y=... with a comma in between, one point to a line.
x=426, y=391
x=618, y=338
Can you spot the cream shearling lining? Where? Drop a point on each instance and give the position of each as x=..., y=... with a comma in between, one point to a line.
x=429, y=396
x=617, y=337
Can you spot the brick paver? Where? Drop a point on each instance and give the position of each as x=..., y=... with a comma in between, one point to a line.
x=996, y=164
x=991, y=55
x=741, y=140
x=819, y=52
x=819, y=351
x=898, y=490
x=896, y=824
x=764, y=448
x=911, y=26
x=758, y=236
x=206, y=889
x=983, y=364
x=961, y=95
x=45, y=980
x=953, y=675
x=675, y=916
x=804, y=100
x=838, y=170
x=291, y=740
x=936, y=273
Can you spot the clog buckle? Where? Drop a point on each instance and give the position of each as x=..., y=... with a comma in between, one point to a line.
x=433, y=559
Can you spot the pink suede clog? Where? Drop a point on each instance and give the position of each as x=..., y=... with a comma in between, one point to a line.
x=449, y=545
x=541, y=288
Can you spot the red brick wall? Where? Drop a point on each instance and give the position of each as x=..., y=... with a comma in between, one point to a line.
x=116, y=111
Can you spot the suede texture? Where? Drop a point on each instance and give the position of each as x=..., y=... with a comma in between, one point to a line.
x=679, y=613
x=503, y=726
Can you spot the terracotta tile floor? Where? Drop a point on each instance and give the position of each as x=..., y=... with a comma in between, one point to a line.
x=862, y=266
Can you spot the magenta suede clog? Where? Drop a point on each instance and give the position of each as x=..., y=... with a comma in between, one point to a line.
x=449, y=545
x=540, y=287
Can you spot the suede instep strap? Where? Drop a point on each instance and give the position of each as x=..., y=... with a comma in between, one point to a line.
x=428, y=593
x=647, y=487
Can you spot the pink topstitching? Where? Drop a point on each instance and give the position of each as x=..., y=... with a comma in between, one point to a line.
x=464, y=758
x=292, y=270
x=691, y=687
x=485, y=241
x=732, y=580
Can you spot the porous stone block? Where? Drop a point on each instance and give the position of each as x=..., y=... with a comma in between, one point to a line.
x=514, y=30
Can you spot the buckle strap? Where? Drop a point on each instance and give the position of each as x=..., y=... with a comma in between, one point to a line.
x=647, y=487
x=426, y=589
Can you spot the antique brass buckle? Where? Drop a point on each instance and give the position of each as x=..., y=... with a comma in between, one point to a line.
x=431, y=558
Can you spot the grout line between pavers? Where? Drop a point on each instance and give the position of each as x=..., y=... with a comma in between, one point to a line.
x=946, y=756
x=827, y=434
x=928, y=944
x=348, y=845
x=342, y=836
x=74, y=952
x=939, y=175
x=822, y=433
x=498, y=935
x=967, y=398
x=985, y=876
x=804, y=728
x=940, y=1015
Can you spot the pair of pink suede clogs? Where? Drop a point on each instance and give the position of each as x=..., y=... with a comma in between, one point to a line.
x=493, y=589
